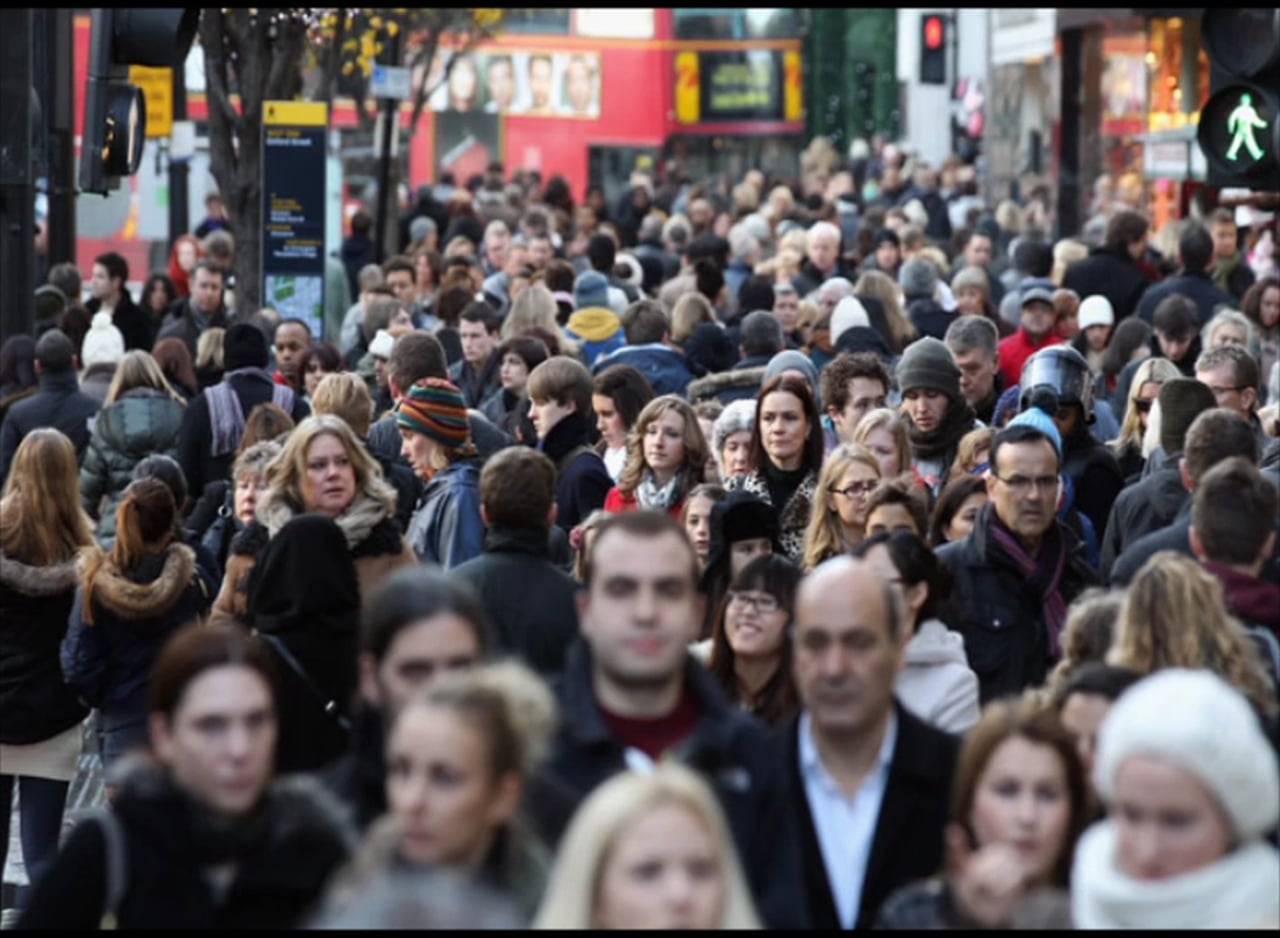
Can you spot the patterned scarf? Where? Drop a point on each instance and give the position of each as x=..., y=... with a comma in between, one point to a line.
x=1043, y=574
x=659, y=498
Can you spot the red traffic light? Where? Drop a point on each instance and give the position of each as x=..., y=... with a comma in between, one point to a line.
x=933, y=32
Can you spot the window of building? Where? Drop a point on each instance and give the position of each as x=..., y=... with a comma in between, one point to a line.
x=553, y=21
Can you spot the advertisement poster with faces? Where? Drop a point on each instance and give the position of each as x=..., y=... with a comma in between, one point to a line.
x=532, y=84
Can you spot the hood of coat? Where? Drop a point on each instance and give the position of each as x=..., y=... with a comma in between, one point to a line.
x=151, y=589
x=713, y=384
x=39, y=581
x=934, y=643
x=594, y=323
x=139, y=420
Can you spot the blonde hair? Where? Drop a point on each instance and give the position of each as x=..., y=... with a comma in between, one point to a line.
x=589, y=526
x=877, y=284
x=42, y=520
x=1175, y=616
x=1065, y=253
x=573, y=888
x=535, y=307
x=797, y=239
x=1158, y=370
x=285, y=473
x=1087, y=635
x=971, y=444
x=890, y=420
x=825, y=534
x=139, y=369
x=345, y=395
x=209, y=348
x=689, y=312
x=695, y=445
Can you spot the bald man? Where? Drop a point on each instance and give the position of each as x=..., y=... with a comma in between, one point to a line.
x=871, y=782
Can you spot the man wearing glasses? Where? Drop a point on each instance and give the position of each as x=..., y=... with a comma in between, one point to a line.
x=1233, y=376
x=1019, y=569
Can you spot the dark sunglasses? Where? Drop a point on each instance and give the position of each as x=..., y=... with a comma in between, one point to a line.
x=1142, y=406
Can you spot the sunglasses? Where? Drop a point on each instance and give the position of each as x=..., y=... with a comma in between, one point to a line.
x=1143, y=406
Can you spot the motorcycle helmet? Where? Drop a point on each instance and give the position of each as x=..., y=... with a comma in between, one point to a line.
x=1063, y=370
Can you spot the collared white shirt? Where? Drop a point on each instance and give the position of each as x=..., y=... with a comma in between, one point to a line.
x=845, y=827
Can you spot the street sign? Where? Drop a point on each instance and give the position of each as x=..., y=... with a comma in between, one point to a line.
x=157, y=87
x=390, y=81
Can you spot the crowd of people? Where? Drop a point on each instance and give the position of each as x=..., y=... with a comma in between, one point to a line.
x=821, y=553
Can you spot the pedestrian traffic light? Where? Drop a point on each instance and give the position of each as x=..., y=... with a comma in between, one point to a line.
x=115, y=111
x=933, y=49
x=1239, y=128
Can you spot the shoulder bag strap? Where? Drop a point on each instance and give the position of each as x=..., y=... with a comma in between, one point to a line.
x=327, y=704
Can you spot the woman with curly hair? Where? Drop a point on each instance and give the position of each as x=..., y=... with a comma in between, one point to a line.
x=666, y=459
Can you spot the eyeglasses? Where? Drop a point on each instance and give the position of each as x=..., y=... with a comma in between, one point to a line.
x=856, y=488
x=1142, y=406
x=761, y=602
x=1220, y=391
x=1021, y=485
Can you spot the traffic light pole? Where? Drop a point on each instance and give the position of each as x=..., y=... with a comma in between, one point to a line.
x=60, y=108
x=390, y=113
x=179, y=169
x=17, y=192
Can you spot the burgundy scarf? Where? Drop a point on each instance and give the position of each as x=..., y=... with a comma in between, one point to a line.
x=1043, y=574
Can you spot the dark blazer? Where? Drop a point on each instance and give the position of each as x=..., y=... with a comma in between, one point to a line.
x=908, y=841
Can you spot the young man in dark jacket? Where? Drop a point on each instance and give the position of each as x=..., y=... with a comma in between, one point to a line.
x=649, y=349
x=58, y=403
x=1113, y=269
x=1195, y=250
x=110, y=294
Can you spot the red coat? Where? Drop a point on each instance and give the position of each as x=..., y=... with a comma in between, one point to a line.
x=1016, y=349
x=616, y=503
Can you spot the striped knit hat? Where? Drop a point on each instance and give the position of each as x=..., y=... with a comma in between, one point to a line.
x=435, y=408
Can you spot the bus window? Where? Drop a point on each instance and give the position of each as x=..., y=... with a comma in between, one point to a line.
x=715, y=23
x=552, y=21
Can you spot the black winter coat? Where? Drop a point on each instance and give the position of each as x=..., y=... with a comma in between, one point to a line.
x=296, y=839
x=1095, y=474
x=1112, y=273
x=136, y=325
x=1198, y=288
x=34, y=605
x=1176, y=537
x=582, y=482
x=1142, y=508
x=529, y=600
x=59, y=404
x=999, y=615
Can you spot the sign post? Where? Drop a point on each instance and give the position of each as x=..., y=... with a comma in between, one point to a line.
x=293, y=210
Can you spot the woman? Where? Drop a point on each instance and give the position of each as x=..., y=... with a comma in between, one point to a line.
x=618, y=394
x=42, y=527
x=459, y=757
x=207, y=841
x=187, y=249
x=1174, y=616
x=696, y=518
x=884, y=432
x=1143, y=391
x=209, y=358
x=731, y=438
x=141, y=416
x=535, y=307
x=1066, y=313
x=880, y=286
x=238, y=508
x=1192, y=790
x=957, y=509
x=318, y=361
x=839, y=522
x=743, y=527
x=18, y=379
x=429, y=265
x=972, y=289
x=1261, y=303
x=508, y=406
x=1087, y=634
x=666, y=459
x=786, y=457
x=1130, y=341
x=1094, y=319
x=177, y=366
x=648, y=850
x=157, y=296
x=898, y=504
x=129, y=602
x=751, y=643
x=323, y=469
x=1019, y=803
x=935, y=682
x=447, y=527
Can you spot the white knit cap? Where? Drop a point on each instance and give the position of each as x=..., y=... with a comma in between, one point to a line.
x=1202, y=724
x=847, y=314
x=383, y=342
x=1096, y=311
x=103, y=343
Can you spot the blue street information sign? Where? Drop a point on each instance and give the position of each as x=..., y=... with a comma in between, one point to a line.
x=293, y=210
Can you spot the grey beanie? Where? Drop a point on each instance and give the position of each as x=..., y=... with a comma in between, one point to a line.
x=919, y=277
x=791, y=360
x=927, y=363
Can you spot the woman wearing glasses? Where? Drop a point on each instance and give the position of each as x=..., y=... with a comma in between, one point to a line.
x=839, y=519
x=1144, y=390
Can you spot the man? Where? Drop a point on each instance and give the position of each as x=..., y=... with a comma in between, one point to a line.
x=886, y=255
x=529, y=600
x=649, y=349
x=1232, y=375
x=602, y=254
x=935, y=411
x=560, y=407
x=744, y=254
x=871, y=781
x=1230, y=272
x=1018, y=570
x=190, y=316
x=350, y=339
x=1214, y=436
x=786, y=309
x=401, y=275
x=1155, y=501
x=823, y=261
x=215, y=216
x=853, y=384
x=1113, y=270
x=110, y=295
x=494, y=250
x=58, y=403
x=594, y=325
x=213, y=422
x=579, y=85
x=292, y=340
x=974, y=344
x=476, y=373
x=1176, y=333
x=633, y=695
x=541, y=250
x=978, y=252
x=650, y=244
x=759, y=339
x=1034, y=332
x=500, y=84
x=1195, y=253
x=357, y=249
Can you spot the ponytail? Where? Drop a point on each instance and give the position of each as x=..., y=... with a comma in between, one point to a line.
x=146, y=521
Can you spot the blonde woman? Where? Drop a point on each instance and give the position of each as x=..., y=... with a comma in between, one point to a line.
x=535, y=308
x=1143, y=391
x=666, y=459
x=1174, y=616
x=664, y=820
x=322, y=469
x=880, y=286
x=884, y=432
x=140, y=417
x=839, y=519
x=690, y=311
x=1065, y=253
x=209, y=360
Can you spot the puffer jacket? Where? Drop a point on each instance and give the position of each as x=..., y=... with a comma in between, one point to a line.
x=141, y=423
x=937, y=684
x=447, y=528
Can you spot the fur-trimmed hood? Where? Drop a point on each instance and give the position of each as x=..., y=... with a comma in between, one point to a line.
x=364, y=514
x=712, y=385
x=39, y=581
x=145, y=598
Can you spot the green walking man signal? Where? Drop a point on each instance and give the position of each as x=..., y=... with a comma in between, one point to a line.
x=1241, y=124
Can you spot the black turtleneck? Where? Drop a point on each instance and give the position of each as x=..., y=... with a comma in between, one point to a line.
x=782, y=483
x=569, y=433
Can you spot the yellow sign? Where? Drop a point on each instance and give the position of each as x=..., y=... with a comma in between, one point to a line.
x=295, y=113
x=793, y=86
x=157, y=88
x=688, y=88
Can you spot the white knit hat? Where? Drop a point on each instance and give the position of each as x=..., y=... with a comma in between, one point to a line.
x=383, y=342
x=1096, y=311
x=847, y=314
x=1202, y=724
x=103, y=344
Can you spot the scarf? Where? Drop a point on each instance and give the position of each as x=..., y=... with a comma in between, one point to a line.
x=659, y=498
x=357, y=522
x=226, y=414
x=1238, y=891
x=942, y=441
x=1223, y=270
x=1043, y=574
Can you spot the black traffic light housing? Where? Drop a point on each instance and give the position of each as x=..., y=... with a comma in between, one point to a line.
x=1239, y=128
x=115, y=111
x=933, y=48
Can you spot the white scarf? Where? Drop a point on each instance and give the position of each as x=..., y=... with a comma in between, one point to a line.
x=659, y=498
x=1241, y=890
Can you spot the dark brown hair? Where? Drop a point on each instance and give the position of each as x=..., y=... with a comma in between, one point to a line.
x=196, y=649
x=517, y=488
x=174, y=359
x=813, y=446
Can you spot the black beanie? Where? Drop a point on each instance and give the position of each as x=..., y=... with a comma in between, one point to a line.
x=755, y=293
x=244, y=346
